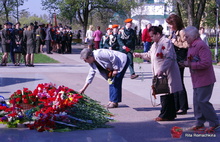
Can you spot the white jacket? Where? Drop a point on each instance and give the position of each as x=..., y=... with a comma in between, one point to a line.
x=108, y=59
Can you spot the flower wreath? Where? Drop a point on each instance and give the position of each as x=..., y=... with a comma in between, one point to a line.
x=53, y=109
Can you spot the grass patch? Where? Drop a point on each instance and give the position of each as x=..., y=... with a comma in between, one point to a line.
x=38, y=58
x=138, y=60
x=41, y=58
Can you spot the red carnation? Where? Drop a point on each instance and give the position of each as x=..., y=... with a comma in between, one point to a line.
x=25, y=101
x=18, y=99
x=158, y=54
x=190, y=58
x=127, y=49
x=161, y=55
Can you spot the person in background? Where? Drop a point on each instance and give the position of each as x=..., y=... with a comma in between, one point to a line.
x=180, y=45
x=97, y=37
x=69, y=40
x=104, y=43
x=12, y=43
x=63, y=40
x=146, y=39
x=24, y=51
x=40, y=36
x=6, y=40
x=18, y=43
x=112, y=40
x=35, y=26
x=89, y=37
x=49, y=39
x=203, y=36
x=199, y=61
x=127, y=39
x=163, y=59
x=136, y=32
x=57, y=39
x=78, y=36
x=140, y=37
x=30, y=38
x=111, y=64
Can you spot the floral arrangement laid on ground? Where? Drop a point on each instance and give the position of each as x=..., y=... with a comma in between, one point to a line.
x=51, y=108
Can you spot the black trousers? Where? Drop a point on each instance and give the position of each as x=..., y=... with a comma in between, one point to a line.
x=168, y=110
x=181, y=101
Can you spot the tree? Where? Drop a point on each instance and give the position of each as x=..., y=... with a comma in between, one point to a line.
x=16, y=12
x=209, y=16
x=10, y=7
x=81, y=10
x=192, y=10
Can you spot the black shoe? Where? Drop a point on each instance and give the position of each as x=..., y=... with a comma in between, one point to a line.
x=31, y=65
x=181, y=112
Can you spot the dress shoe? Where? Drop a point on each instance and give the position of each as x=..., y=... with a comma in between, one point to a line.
x=112, y=105
x=162, y=119
x=181, y=112
x=134, y=76
x=196, y=128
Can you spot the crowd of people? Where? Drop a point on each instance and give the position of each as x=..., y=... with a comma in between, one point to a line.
x=112, y=53
x=30, y=39
x=168, y=55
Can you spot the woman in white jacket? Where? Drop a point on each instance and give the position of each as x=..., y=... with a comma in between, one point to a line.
x=89, y=37
x=111, y=65
x=163, y=59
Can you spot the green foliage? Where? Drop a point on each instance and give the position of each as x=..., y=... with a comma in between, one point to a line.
x=209, y=17
x=41, y=58
x=82, y=10
x=91, y=111
x=213, y=54
x=138, y=60
x=28, y=20
x=38, y=58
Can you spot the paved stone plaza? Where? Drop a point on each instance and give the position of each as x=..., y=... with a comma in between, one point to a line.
x=133, y=119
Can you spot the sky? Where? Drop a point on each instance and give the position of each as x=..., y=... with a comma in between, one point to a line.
x=34, y=7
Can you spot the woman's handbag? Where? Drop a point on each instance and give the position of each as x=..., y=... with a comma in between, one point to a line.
x=160, y=85
x=18, y=49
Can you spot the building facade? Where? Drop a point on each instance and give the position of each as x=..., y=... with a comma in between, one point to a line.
x=154, y=12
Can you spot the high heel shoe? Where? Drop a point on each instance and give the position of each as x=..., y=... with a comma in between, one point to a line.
x=181, y=112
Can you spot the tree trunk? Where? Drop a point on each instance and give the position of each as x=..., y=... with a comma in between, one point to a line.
x=6, y=10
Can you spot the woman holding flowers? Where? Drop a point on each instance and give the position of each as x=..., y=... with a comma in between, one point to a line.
x=163, y=59
x=180, y=45
x=199, y=61
x=112, y=65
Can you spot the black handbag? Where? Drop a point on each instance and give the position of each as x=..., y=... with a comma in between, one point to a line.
x=18, y=49
x=160, y=85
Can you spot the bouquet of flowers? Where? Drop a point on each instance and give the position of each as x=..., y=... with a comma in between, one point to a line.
x=56, y=109
x=24, y=99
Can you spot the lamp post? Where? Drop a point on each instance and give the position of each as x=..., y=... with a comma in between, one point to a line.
x=217, y=29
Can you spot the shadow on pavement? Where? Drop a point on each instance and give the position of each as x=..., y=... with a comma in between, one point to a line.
x=5, y=81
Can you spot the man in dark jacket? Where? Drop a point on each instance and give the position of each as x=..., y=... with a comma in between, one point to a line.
x=126, y=40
